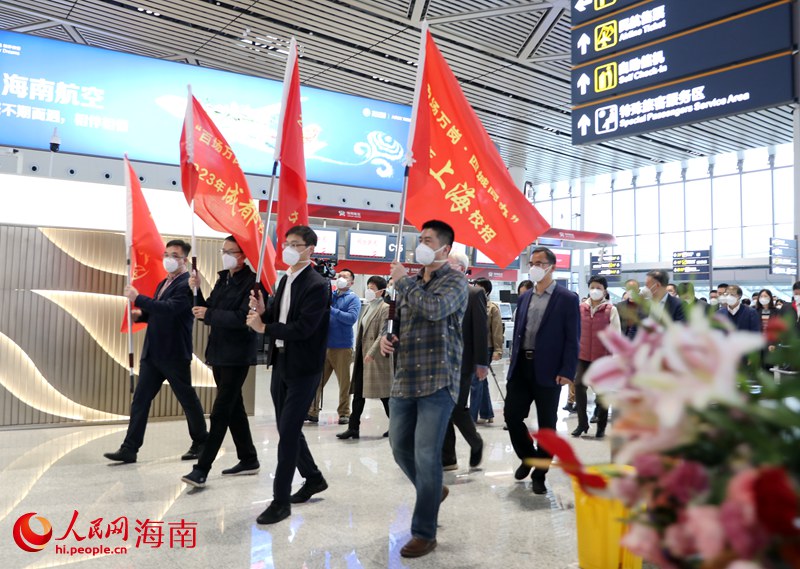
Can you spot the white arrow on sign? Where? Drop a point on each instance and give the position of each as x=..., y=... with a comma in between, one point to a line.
x=583, y=124
x=583, y=83
x=583, y=43
x=581, y=5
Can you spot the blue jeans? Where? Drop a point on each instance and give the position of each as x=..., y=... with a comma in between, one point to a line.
x=416, y=432
x=479, y=399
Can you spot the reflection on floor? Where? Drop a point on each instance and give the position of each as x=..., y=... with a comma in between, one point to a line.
x=362, y=521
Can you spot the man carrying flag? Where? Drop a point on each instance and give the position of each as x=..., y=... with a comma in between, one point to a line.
x=167, y=312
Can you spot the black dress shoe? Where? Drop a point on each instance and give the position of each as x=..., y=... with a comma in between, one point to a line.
x=476, y=456
x=194, y=452
x=418, y=547
x=312, y=419
x=274, y=513
x=349, y=434
x=242, y=469
x=537, y=485
x=122, y=455
x=344, y=420
x=579, y=431
x=308, y=489
x=569, y=407
x=196, y=478
x=522, y=472
x=386, y=435
x=601, y=433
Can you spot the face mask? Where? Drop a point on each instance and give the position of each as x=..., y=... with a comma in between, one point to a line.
x=537, y=274
x=425, y=255
x=342, y=283
x=370, y=295
x=733, y=300
x=170, y=264
x=646, y=293
x=714, y=301
x=229, y=262
x=596, y=294
x=290, y=256
x=723, y=299
x=764, y=300
x=796, y=299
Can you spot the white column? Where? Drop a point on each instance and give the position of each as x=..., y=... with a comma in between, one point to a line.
x=518, y=175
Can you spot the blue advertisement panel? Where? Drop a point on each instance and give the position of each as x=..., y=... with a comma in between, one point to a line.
x=648, y=21
x=761, y=83
x=106, y=103
x=708, y=47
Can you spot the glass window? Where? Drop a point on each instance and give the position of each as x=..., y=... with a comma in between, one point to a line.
x=697, y=168
x=647, y=209
x=698, y=240
x=671, y=242
x=727, y=202
x=671, y=207
x=646, y=176
x=726, y=164
x=545, y=207
x=647, y=248
x=542, y=192
x=562, y=216
x=756, y=240
x=561, y=190
x=626, y=248
x=602, y=183
x=755, y=159
x=623, y=213
x=672, y=172
x=598, y=212
x=784, y=231
x=783, y=192
x=757, y=198
x=698, y=204
x=623, y=179
x=728, y=243
x=784, y=155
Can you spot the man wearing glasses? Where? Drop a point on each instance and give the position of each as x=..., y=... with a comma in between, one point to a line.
x=544, y=357
x=167, y=354
x=297, y=324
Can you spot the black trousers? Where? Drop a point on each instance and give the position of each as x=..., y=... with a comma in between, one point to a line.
x=460, y=418
x=581, y=400
x=151, y=377
x=522, y=391
x=358, y=409
x=291, y=397
x=228, y=413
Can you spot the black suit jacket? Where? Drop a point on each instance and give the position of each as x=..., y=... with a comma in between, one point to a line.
x=675, y=308
x=305, y=332
x=169, y=322
x=475, y=330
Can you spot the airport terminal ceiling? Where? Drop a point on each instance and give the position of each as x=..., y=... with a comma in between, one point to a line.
x=512, y=59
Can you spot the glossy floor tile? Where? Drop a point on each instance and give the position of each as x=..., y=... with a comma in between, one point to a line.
x=361, y=521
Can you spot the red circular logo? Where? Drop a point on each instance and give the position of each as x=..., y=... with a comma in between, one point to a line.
x=29, y=540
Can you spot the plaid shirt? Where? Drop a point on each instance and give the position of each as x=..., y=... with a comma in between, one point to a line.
x=431, y=343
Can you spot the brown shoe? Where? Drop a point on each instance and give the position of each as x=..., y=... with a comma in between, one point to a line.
x=418, y=547
x=445, y=492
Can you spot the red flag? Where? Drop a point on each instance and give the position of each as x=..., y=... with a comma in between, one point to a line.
x=144, y=243
x=292, y=196
x=211, y=175
x=458, y=176
x=560, y=448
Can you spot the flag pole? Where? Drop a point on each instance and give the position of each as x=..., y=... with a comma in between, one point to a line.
x=128, y=247
x=409, y=161
x=287, y=77
x=189, y=136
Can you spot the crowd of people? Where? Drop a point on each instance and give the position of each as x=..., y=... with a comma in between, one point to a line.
x=422, y=344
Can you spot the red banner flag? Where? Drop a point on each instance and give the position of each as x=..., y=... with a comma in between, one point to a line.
x=144, y=244
x=211, y=175
x=293, y=195
x=458, y=175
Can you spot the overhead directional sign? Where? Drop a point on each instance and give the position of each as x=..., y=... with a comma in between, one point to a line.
x=696, y=264
x=585, y=10
x=609, y=266
x=648, y=21
x=782, y=256
x=738, y=88
x=685, y=54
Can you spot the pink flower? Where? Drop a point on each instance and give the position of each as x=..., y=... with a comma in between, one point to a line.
x=645, y=542
x=685, y=481
x=744, y=535
x=744, y=565
x=741, y=488
x=704, y=523
x=679, y=541
x=649, y=465
x=626, y=490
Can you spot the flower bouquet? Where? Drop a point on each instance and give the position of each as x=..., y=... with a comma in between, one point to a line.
x=713, y=440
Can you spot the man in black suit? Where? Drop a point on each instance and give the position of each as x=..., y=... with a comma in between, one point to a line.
x=663, y=306
x=474, y=360
x=297, y=324
x=166, y=354
x=793, y=307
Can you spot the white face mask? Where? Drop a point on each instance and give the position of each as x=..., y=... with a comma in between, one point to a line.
x=537, y=274
x=714, y=301
x=733, y=300
x=290, y=256
x=425, y=255
x=370, y=295
x=229, y=262
x=723, y=299
x=596, y=294
x=797, y=299
x=764, y=300
x=342, y=283
x=646, y=292
x=170, y=264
